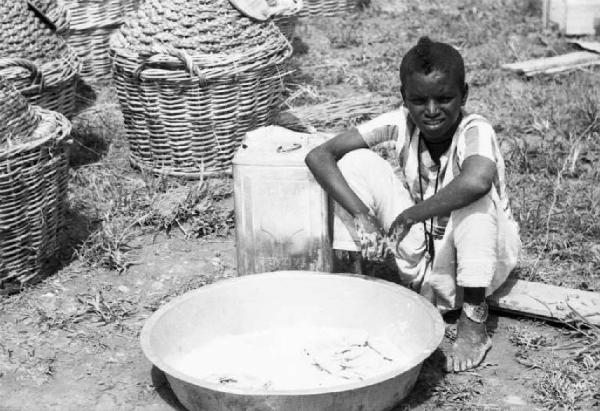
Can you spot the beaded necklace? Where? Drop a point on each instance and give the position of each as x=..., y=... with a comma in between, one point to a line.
x=429, y=246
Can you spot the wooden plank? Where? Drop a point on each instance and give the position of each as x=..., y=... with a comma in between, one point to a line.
x=546, y=301
x=588, y=45
x=554, y=64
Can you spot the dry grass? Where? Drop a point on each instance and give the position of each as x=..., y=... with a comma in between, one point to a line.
x=118, y=203
x=549, y=128
x=567, y=369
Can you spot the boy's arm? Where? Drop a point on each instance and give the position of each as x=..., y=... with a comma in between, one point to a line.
x=322, y=162
x=474, y=181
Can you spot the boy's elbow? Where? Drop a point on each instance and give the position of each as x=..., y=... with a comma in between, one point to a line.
x=480, y=186
x=314, y=157
x=309, y=156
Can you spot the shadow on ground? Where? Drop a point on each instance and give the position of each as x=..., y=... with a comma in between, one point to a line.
x=162, y=387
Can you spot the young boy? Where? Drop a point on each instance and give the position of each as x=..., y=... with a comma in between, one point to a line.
x=444, y=213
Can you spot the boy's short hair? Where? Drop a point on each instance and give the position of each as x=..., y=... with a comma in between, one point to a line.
x=428, y=56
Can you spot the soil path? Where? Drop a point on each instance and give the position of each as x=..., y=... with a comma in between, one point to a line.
x=71, y=342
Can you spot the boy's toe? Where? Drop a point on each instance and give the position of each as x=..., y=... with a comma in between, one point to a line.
x=449, y=365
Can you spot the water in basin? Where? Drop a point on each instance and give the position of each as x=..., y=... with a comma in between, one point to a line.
x=293, y=358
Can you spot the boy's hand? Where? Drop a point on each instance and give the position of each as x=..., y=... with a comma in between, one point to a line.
x=400, y=228
x=373, y=242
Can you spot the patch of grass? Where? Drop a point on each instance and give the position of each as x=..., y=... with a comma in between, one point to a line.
x=120, y=203
x=562, y=385
x=527, y=339
x=548, y=127
x=104, y=311
x=567, y=373
x=346, y=34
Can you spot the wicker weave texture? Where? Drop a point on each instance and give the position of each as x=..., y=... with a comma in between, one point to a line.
x=190, y=92
x=55, y=11
x=189, y=130
x=92, y=46
x=329, y=7
x=33, y=193
x=92, y=23
x=89, y=14
x=287, y=25
x=54, y=90
x=36, y=60
x=18, y=119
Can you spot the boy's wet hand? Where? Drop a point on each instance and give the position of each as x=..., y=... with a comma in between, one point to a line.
x=373, y=242
x=400, y=228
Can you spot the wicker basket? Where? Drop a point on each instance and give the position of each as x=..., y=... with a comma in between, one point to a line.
x=33, y=183
x=287, y=25
x=192, y=77
x=36, y=60
x=91, y=24
x=329, y=7
x=55, y=12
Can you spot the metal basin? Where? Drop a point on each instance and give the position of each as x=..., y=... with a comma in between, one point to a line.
x=284, y=299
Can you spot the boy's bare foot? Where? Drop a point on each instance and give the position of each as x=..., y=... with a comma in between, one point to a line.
x=471, y=345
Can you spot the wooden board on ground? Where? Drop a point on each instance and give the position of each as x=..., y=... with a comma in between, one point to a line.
x=546, y=301
x=555, y=64
x=588, y=45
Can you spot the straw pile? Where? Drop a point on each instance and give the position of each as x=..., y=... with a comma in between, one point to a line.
x=192, y=77
x=91, y=24
x=35, y=59
x=335, y=115
x=33, y=186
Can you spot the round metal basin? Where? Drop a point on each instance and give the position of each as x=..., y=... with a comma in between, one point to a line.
x=284, y=300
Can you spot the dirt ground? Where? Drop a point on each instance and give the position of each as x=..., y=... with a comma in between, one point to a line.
x=72, y=342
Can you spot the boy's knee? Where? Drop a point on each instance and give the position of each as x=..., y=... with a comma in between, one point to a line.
x=476, y=242
x=483, y=206
x=363, y=160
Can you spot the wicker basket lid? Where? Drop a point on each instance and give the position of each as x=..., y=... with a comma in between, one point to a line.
x=30, y=48
x=24, y=33
x=54, y=12
x=212, y=33
x=18, y=119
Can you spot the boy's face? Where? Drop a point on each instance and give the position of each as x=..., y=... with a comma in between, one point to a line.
x=434, y=102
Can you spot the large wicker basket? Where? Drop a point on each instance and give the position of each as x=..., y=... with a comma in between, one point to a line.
x=91, y=24
x=36, y=60
x=33, y=187
x=192, y=77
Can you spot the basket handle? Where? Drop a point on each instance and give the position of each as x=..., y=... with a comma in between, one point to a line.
x=162, y=57
x=35, y=74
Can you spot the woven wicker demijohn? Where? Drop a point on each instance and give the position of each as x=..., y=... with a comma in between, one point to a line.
x=91, y=24
x=33, y=187
x=35, y=59
x=192, y=77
